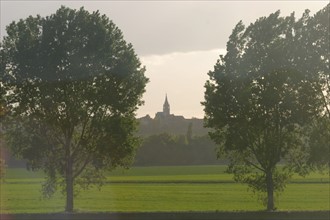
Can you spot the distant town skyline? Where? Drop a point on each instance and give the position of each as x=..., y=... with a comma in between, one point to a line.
x=177, y=41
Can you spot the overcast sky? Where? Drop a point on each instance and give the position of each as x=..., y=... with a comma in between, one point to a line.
x=177, y=41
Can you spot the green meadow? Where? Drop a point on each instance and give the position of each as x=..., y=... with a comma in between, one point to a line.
x=156, y=189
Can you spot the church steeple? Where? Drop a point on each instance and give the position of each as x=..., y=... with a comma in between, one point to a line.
x=166, y=107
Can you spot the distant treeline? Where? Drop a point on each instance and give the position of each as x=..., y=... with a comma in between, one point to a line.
x=168, y=149
x=177, y=125
x=164, y=150
x=174, y=140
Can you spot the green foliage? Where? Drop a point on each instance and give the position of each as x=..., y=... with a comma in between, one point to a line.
x=75, y=85
x=257, y=181
x=260, y=97
x=319, y=144
x=189, y=132
x=166, y=149
x=317, y=63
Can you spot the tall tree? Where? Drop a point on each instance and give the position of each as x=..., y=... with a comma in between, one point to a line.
x=257, y=101
x=189, y=132
x=73, y=85
x=312, y=56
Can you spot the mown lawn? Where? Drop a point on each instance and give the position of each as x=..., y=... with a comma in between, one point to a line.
x=195, y=188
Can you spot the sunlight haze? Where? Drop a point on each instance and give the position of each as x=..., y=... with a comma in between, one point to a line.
x=177, y=41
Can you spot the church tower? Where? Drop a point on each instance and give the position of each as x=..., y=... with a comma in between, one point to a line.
x=166, y=107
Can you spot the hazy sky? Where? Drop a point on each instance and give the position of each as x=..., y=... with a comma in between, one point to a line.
x=177, y=41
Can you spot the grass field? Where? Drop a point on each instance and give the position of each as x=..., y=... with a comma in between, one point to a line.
x=184, y=188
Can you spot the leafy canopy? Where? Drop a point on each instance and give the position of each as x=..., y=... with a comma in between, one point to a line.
x=259, y=98
x=73, y=85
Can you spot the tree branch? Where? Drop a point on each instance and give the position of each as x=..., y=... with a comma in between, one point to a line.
x=254, y=165
x=79, y=171
x=75, y=150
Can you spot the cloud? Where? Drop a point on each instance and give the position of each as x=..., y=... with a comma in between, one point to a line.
x=165, y=59
x=161, y=27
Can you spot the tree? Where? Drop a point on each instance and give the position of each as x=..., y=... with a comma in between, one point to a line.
x=313, y=49
x=73, y=85
x=258, y=100
x=189, y=132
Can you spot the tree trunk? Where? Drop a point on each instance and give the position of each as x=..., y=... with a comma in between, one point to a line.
x=270, y=191
x=68, y=174
x=69, y=187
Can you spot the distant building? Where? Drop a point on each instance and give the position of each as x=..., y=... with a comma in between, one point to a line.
x=166, y=110
x=166, y=122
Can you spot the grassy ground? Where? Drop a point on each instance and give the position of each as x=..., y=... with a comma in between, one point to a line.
x=191, y=188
